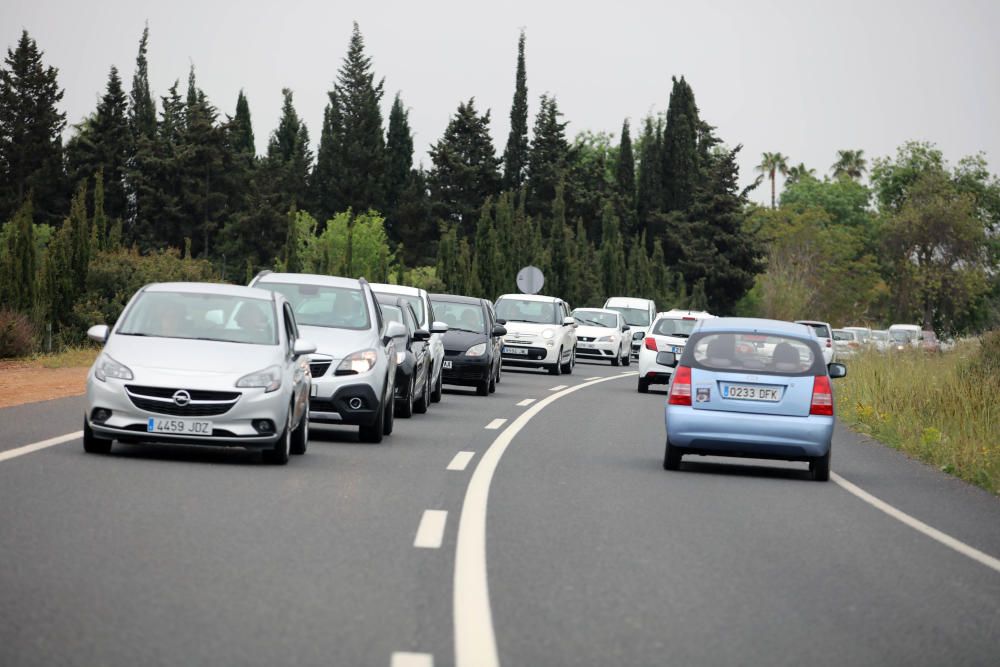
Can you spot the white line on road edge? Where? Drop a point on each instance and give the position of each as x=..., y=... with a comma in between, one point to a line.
x=918, y=525
x=495, y=424
x=596, y=377
x=558, y=387
x=460, y=461
x=475, y=641
x=34, y=447
x=526, y=402
x=431, y=529
x=402, y=659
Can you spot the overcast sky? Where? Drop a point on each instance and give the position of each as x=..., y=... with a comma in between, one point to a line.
x=804, y=78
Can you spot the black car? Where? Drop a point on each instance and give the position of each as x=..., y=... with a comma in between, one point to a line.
x=472, y=343
x=413, y=358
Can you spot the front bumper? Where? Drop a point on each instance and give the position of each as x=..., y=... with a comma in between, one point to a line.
x=595, y=350
x=723, y=433
x=536, y=354
x=466, y=371
x=354, y=404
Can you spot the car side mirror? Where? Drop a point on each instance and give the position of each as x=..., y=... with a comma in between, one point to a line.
x=439, y=328
x=393, y=330
x=837, y=370
x=301, y=347
x=501, y=321
x=569, y=322
x=666, y=359
x=421, y=334
x=99, y=333
x=625, y=328
x=499, y=330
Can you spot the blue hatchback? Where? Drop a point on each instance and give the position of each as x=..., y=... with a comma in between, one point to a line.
x=754, y=388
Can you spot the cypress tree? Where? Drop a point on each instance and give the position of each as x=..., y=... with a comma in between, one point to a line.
x=241, y=129
x=80, y=235
x=18, y=270
x=515, y=156
x=548, y=158
x=100, y=227
x=288, y=149
x=612, y=253
x=625, y=182
x=141, y=163
x=447, y=260
x=323, y=182
x=649, y=194
x=558, y=281
x=203, y=195
x=31, y=151
x=142, y=108
x=487, y=252
x=699, y=300
x=414, y=223
x=506, y=243
x=398, y=163
x=590, y=291
x=680, y=148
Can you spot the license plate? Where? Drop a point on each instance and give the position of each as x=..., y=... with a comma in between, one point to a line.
x=515, y=350
x=586, y=345
x=751, y=392
x=178, y=426
x=446, y=364
x=676, y=350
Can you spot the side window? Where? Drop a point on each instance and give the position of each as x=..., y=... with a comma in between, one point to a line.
x=291, y=331
x=380, y=323
x=431, y=317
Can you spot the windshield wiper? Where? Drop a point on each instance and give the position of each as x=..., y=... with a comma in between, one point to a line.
x=450, y=328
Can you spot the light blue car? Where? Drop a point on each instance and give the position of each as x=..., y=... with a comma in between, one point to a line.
x=752, y=388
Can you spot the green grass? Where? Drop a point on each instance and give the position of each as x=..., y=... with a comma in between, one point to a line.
x=73, y=357
x=942, y=409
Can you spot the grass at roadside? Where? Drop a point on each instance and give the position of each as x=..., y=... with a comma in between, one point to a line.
x=73, y=357
x=943, y=409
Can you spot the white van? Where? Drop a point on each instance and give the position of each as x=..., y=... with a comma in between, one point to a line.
x=638, y=315
x=905, y=333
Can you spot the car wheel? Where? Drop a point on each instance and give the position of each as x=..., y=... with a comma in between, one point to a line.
x=279, y=454
x=92, y=444
x=627, y=359
x=373, y=432
x=404, y=407
x=643, y=386
x=438, y=388
x=671, y=457
x=499, y=371
x=493, y=381
x=556, y=368
x=300, y=436
x=569, y=365
x=820, y=468
x=617, y=361
x=421, y=404
x=389, y=421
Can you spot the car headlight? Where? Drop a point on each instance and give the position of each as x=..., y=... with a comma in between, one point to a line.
x=269, y=379
x=361, y=361
x=476, y=350
x=607, y=339
x=400, y=356
x=109, y=368
x=548, y=333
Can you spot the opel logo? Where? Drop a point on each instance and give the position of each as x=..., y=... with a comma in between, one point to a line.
x=181, y=398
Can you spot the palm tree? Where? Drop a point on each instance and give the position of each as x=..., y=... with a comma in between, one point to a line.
x=770, y=165
x=850, y=164
x=798, y=172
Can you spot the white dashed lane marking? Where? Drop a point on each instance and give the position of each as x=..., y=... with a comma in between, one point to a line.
x=461, y=460
x=558, y=387
x=430, y=532
x=526, y=402
x=402, y=659
x=495, y=424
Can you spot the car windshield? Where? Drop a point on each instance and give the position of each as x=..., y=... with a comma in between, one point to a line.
x=595, y=318
x=634, y=317
x=461, y=316
x=523, y=310
x=880, y=335
x=415, y=301
x=392, y=314
x=901, y=336
x=839, y=334
x=199, y=316
x=736, y=352
x=670, y=326
x=861, y=334
x=323, y=306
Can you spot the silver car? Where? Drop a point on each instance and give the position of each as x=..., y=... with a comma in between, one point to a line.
x=751, y=387
x=201, y=364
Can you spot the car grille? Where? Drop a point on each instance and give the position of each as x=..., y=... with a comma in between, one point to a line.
x=319, y=368
x=203, y=403
x=586, y=339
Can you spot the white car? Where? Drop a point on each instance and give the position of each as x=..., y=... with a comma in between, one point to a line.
x=668, y=334
x=906, y=333
x=863, y=335
x=638, y=314
x=422, y=306
x=201, y=364
x=846, y=342
x=540, y=332
x=602, y=334
x=823, y=332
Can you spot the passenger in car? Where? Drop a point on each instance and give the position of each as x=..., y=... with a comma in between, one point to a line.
x=721, y=351
x=785, y=357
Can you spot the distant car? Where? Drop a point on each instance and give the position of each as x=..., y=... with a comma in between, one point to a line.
x=201, y=364
x=413, y=357
x=929, y=342
x=752, y=388
x=638, y=314
x=846, y=343
x=900, y=341
x=472, y=344
x=911, y=333
x=668, y=334
x=354, y=366
x=602, y=334
x=824, y=332
x=540, y=332
x=862, y=334
x=880, y=339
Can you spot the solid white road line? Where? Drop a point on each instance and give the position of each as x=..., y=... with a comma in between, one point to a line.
x=34, y=447
x=526, y=402
x=918, y=525
x=402, y=659
x=430, y=532
x=596, y=377
x=558, y=387
x=495, y=424
x=475, y=640
x=460, y=461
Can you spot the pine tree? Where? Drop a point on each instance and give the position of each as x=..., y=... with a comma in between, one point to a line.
x=398, y=163
x=31, y=152
x=515, y=156
x=680, y=148
x=548, y=158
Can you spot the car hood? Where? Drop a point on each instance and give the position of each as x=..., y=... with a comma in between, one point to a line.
x=152, y=358
x=337, y=343
x=518, y=329
x=596, y=332
x=460, y=341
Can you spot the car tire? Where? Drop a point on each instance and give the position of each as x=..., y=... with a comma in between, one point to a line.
x=483, y=388
x=92, y=444
x=493, y=382
x=499, y=370
x=300, y=436
x=556, y=368
x=388, y=421
x=404, y=407
x=671, y=457
x=571, y=364
x=627, y=359
x=373, y=433
x=420, y=406
x=278, y=456
x=617, y=361
x=820, y=468
x=438, y=388
x=643, y=386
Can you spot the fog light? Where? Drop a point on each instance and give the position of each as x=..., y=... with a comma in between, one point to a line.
x=263, y=425
x=355, y=403
x=100, y=415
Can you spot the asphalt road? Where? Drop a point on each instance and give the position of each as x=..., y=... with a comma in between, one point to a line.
x=591, y=554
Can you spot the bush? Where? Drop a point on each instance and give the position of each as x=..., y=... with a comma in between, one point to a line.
x=17, y=336
x=986, y=362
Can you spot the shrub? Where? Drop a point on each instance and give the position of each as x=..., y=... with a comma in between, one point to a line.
x=17, y=336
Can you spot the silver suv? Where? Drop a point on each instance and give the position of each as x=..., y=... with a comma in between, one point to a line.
x=354, y=366
x=201, y=364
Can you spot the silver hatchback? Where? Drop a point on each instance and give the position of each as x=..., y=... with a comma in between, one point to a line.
x=754, y=388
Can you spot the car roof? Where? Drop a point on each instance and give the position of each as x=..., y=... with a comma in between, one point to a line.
x=457, y=298
x=530, y=297
x=398, y=289
x=811, y=322
x=755, y=325
x=309, y=279
x=607, y=311
x=222, y=289
x=389, y=299
x=906, y=327
x=697, y=314
x=628, y=302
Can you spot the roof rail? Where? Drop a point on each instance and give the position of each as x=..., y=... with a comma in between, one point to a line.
x=363, y=281
x=261, y=274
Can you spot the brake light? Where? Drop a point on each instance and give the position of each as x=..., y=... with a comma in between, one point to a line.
x=822, y=398
x=650, y=343
x=680, y=387
x=689, y=318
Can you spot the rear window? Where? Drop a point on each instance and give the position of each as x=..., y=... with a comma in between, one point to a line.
x=754, y=353
x=461, y=316
x=669, y=326
x=322, y=306
x=843, y=335
x=415, y=301
x=820, y=330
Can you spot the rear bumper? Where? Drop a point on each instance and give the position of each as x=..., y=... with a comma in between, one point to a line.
x=756, y=436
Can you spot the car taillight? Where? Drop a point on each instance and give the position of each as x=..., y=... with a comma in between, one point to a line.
x=680, y=387
x=650, y=343
x=822, y=398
